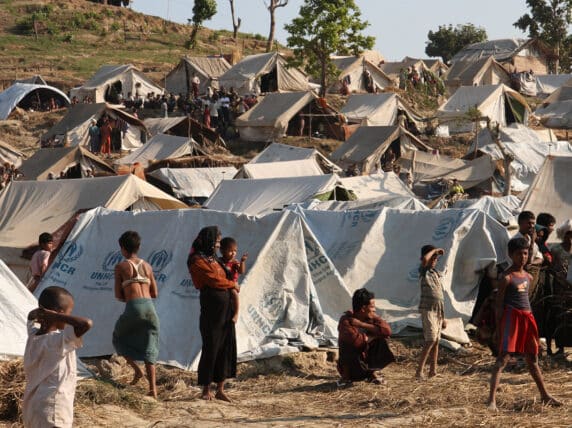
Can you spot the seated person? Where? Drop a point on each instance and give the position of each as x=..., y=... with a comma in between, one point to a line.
x=362, y=340
x=456, y=188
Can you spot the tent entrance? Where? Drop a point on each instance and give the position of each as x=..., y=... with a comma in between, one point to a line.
x=514, y=110
x=112, y=92
x=269, y=82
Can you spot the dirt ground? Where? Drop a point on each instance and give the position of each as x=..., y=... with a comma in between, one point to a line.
x=299, y=390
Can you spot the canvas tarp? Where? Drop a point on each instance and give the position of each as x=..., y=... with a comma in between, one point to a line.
x=31, y=207
x=367, y=145
x=500, y=49
x=551, y=191
x=485, y=71
x=193, y=182
x=293, y=168
x=245, y=76
x=372, y=109
x=429, y=167
x=352, y=69
x=132, y=81
x=10, y=155
x=58, y=159
x=75, y=125
x=262, y=196
x=36, y=80
x=385, y=201
x=503, y=209
x=207, y=69
x=269, y=118
x=161, y=146
x=547, y=84
x=277, y=152
x=376, y=185
x=26, y=94
x=301, y=275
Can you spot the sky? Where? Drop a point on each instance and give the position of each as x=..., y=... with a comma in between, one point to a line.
x=399, y=26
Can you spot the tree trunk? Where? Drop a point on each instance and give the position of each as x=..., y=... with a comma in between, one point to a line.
x=270, y=43
x=235, y=23
x=323, y=77
x=193, y=38
x=557, y=62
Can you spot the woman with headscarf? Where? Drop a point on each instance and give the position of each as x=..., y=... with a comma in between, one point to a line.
x=218, y=358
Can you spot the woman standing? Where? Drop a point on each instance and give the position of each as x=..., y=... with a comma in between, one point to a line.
x=136, y=333
x=218, y=357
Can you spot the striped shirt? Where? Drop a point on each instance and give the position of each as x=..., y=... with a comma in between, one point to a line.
x=431, y=291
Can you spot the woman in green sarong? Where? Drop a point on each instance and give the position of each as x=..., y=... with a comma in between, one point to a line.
x=136, y=333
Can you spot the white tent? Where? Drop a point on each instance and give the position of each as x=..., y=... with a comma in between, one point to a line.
x=376, y=185
x=292, y=168
x=124, y=79
x=262, y=196
x=374, y=109
x=428, y=167
x=269, y=118
x=26, y=95
x=503, y=209
x=261, y=73
x=551, y=191
x=500, y=104
x=10, y=154
x=31, y=207
x=207, y=68
x=303, y=268
x=547, y=84
x=351, y=68
x=193, y=182
x=277, y=152
x=386, y=201
x=16, y=302
x=161, y=146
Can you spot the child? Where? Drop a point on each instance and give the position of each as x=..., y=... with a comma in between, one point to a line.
x=40, y=260
x=233, y=268
x=517, y=331
x=431, y=307
x=50, y=360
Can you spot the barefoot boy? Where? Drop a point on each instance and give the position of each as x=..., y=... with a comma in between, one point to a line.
x=431, y=307
x=50, y=360
x=233, y=268
x=517, y=331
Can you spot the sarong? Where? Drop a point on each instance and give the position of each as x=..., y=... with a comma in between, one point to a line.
x=358, y=365
x=136, y=333
x=518, y=332
x=218, y=357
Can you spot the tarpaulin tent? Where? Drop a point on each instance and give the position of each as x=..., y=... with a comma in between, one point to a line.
x=277, y=152
x=111, y=80
x=207, y=68
x=262, y=73
x=62, y=159
x=292, y=168
x=377, y=110
x=551, y=191
x=27, y=96
x=376, y=185
x=367, y=145
x=497, y=103
x=503, y=209
x=193, y=182
x=547, y=84
x=9, y=154
x=262, y=196
x=301, y=275
x=352, y=68
x=386, y=201
x=485, y=71
x=31, y=207
x=74, y=126
x=161, y=146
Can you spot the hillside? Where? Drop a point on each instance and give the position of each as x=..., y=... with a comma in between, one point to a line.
x=66, y=42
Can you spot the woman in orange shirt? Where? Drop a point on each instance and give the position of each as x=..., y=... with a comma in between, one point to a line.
x=218, y=357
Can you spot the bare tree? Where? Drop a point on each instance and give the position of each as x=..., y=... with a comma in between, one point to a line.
x=272, y=5
x=235, y=22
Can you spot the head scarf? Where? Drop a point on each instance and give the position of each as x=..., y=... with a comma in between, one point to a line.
x=564, y=228
x=205, y=241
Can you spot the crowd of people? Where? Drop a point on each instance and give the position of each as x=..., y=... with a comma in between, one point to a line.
x=514, y=325
x=8, y=173
x=106, y=135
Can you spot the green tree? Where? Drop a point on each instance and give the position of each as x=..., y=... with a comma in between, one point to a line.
x=449, y=39
x=548, y=21
x=324, y=28
x=203, y=10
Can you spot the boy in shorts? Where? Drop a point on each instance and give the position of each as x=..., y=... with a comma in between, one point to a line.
x=431, y=307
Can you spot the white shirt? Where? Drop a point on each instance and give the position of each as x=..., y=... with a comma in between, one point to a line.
x=536, y=254
x=196, y=80
x=50, y=368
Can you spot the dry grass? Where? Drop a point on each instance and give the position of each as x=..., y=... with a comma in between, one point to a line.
x=300, y=390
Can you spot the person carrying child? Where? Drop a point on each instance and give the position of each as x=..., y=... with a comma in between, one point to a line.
x=136, y=333
x=517, y=332
x=431, y=307
x=50, y=360
x=233, y=268
x=40, y=260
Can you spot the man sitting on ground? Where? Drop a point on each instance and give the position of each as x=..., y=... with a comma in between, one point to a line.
x=362, y=341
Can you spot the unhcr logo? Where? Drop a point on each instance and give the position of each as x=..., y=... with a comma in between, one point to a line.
x=159, y=260
x=272, y=305
x=70, y=252
x=446, y=227
x=112, y=258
